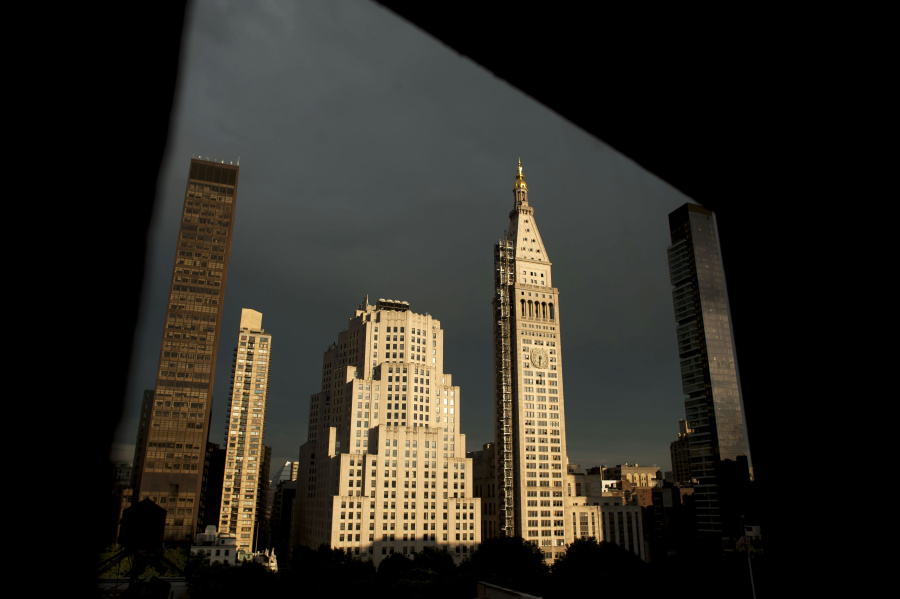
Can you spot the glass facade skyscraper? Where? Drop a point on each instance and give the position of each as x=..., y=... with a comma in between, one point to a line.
x=709, y=372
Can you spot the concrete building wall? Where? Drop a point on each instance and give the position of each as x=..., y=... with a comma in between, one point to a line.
x=484, y=468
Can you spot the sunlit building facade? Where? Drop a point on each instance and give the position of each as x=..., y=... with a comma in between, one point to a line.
x=528, y=498
x=170, y=453
x=246, y=478
x=384, y=469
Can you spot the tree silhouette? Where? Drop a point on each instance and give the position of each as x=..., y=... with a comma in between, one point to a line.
x=328, y=572
x=224, y=581
x=509, y=562
x=608, y=567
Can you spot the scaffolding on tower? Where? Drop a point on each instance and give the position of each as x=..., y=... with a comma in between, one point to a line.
x=504, y=265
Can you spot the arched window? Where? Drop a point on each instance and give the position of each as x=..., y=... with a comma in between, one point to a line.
x=552, y=313
x=530, y=309
x=522, y=313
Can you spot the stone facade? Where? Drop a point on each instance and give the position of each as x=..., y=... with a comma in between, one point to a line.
x=384, y=469
x=530, y=430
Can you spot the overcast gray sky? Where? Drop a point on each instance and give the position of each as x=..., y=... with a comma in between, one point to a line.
x=375, y=160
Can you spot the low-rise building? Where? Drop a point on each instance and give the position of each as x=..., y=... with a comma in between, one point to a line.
x=220, y=547
x=595, y=508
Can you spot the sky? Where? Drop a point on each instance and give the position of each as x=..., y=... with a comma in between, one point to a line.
x=376, y=161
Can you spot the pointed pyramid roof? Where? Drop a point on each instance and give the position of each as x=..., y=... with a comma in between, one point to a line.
x=523, y=230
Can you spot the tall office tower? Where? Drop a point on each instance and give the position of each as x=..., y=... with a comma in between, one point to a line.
x=709, y=373
x=246, y=467
x=175, y=444
x=680, y=451
x=529, y=415
x=213, y=477
x=384, y=469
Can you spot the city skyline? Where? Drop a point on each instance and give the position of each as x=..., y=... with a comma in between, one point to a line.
x=416, y=190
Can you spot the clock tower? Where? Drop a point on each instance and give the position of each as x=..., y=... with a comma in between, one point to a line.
x=529, y=415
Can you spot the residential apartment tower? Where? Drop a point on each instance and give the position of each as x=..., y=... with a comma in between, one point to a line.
x=246, y=479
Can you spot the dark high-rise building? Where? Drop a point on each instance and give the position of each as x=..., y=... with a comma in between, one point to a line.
x=280, y=522
x=175, y=436
x=681, y=456
x=709, y=372
x=213, y=477
x=140, y=446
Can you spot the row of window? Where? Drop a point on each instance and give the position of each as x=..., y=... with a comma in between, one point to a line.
x=411, y=537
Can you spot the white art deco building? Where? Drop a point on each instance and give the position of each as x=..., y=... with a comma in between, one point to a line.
x=384, y=468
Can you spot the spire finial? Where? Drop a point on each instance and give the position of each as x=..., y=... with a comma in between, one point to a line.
x=520, y=179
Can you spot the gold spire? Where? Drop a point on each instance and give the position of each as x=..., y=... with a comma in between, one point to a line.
x=520, y=179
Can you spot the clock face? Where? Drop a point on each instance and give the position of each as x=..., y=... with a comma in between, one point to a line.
x=539, y=357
